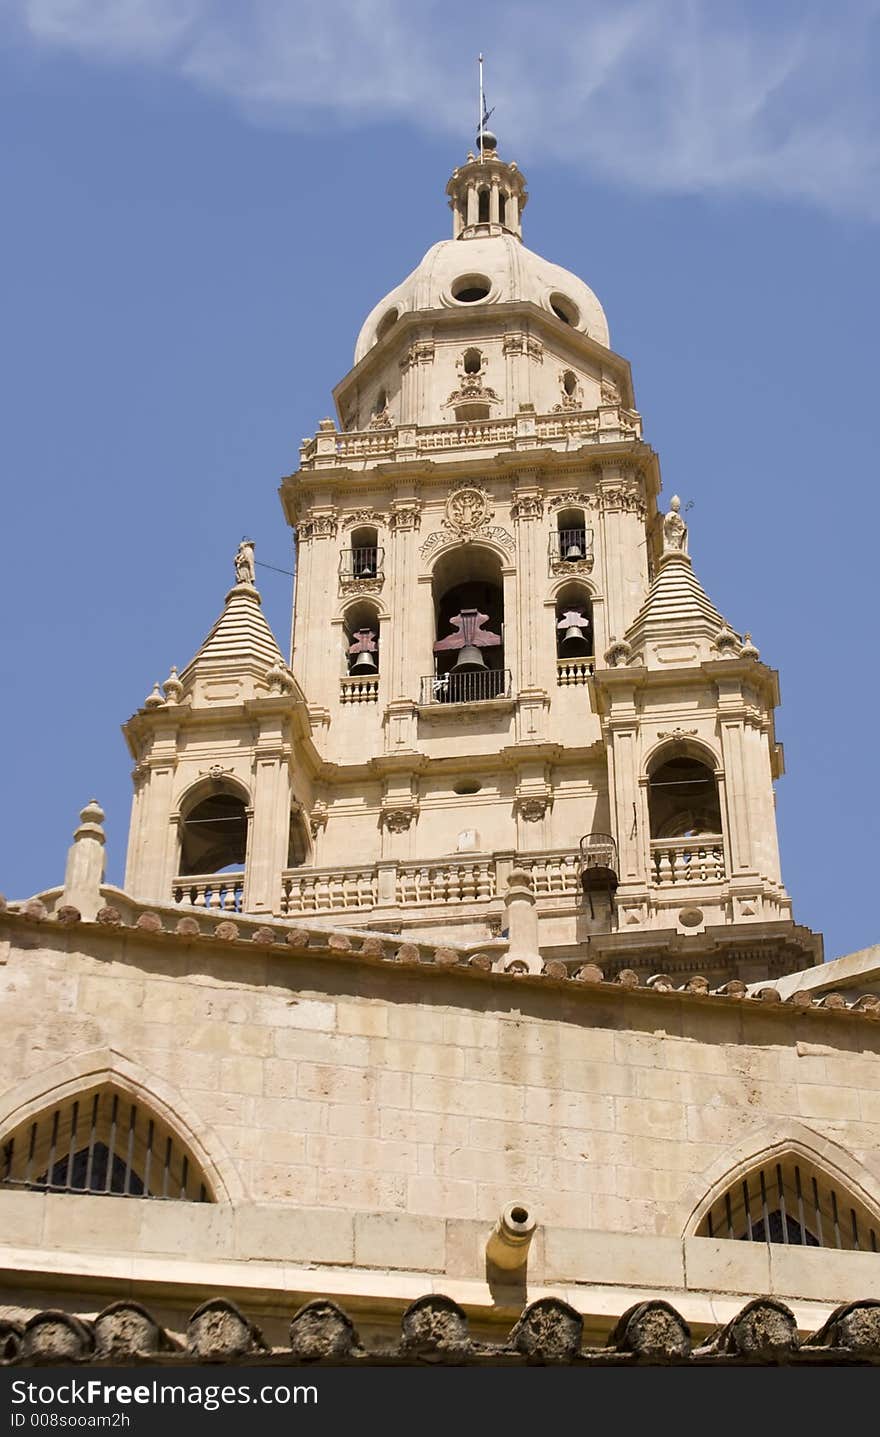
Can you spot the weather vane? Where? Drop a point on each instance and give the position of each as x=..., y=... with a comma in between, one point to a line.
x=484, y=113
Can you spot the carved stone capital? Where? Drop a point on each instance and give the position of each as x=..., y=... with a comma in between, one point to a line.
x=406, y=514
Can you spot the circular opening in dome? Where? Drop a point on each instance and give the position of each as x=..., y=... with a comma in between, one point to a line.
x=467, y=785
x=564, y=309
x=471, y=288
x=386, y=323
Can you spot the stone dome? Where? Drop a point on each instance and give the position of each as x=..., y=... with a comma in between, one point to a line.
x=482, y=270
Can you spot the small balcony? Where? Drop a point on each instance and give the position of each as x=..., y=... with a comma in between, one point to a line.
x=571, y=551
x=687, y=860
x=362, y=569
x=359, y=690
x=467, y=687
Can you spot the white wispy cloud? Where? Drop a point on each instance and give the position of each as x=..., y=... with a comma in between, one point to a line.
x=678, y=96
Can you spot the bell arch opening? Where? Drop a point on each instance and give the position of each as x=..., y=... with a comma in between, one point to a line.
x=363, y=552
x=101, y=1141
x=361, y=640
x=574, y=622
x=214, y=833
x=683, y=798
x=297, y=840
x=468, y=596
x=573, y=538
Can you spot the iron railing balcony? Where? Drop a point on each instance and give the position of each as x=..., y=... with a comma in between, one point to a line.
x=571, y=546
x=362, y=563
x=467, y=687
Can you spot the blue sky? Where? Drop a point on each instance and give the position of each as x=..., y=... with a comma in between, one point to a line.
x=202, y=200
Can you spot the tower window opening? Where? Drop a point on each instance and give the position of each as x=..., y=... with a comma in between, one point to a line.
x=380, y=404
x=297, y=842
x=564, y=309
x=469, y=628
x=472, y=361
x=363, y=556
x=574, y=540
x=387, y=323
x=569, y=382
x=101, y=1142
x=361, y=640
x=483, y=209
x=502, y=206
x=214, y=835
x=471, y=288
x=683, y=799
x=574, y=623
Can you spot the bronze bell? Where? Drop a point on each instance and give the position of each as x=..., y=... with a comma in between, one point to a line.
x=469, y=660
x=575, y=635
x=574, y=551
x=364, y=663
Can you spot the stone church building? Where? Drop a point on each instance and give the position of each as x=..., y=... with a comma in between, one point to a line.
x=453, y=972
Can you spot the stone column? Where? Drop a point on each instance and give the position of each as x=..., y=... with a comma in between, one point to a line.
x=522, y=924
x=270, y=825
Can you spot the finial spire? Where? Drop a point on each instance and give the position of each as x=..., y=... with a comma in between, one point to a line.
x=485, y=139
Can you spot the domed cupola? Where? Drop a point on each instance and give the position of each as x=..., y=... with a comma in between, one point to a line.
x=482, y=326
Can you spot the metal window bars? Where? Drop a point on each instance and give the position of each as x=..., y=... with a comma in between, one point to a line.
x=791, y=1202
x=100, y=1142
x=466, y=686
x=362, y=563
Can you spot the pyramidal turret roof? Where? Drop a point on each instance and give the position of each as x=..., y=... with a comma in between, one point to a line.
x=676, y=606
x=241, y=641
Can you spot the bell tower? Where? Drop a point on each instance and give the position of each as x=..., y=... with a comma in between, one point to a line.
x=505, y=676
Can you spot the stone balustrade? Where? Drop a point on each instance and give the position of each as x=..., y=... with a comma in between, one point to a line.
x=688, y=860
x=552, y=874
x=329, y=890
x=359, y=690
x=574, y=671
x=446, y=883
x=609, y=424
x=219, y=892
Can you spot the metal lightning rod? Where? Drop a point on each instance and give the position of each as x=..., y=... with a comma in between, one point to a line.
x=482, y=112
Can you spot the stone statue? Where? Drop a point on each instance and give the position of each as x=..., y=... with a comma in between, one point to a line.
x=674, y=529
x=244, y=562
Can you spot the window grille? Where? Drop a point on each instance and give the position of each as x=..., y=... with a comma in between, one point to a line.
x=101, y=1142
x=791, y=1202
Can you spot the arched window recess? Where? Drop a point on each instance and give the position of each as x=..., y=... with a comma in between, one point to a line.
x=101, y=1142
x=361, y=563
x=574, y=635
x=684, y=812
x=360, y=683
x=468, y=597
x=213, y=849
x=790, y=1200
x=571, y=543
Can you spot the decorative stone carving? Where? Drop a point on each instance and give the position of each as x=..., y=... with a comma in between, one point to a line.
x=492, y=533
x=748, y=650
x=406, y=514
x=618, y=653
x=356, y=517
x=350, y=585
x=674, y=529
x=610, y=392
x=381, y=420
x=398, y=820
x=155, y=699
x=532, y=809
x=518, y=343
x=727, y=643
x=422, y=352
x=472, y=386
x=317, y=526
x=527, y=505
x=573, y=498
x=677, y=733
x=468, y=510
x=280, y=679
x=216, y=772
x=318, y=818
x=244, y=562
x=172, y=687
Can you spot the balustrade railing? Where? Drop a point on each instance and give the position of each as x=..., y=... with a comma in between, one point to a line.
x=305, y=890
x=446, y=882
x=552, y=874
x=574, y=671
x=359, y=691
x=687, y=860
x=466, y=687
x=218, y=892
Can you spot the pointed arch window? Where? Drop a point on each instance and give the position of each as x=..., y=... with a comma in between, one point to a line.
x=790, y=1200
x=101, y=1141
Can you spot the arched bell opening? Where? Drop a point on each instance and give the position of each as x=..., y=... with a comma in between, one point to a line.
x=684, y=817
x=483, y=207
x=502, y=207
x=297, y=841
x=468, y=596
x=363, y=555
x=573, y=538
x=361, y=640
x=214, y=834
x=574, y=623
